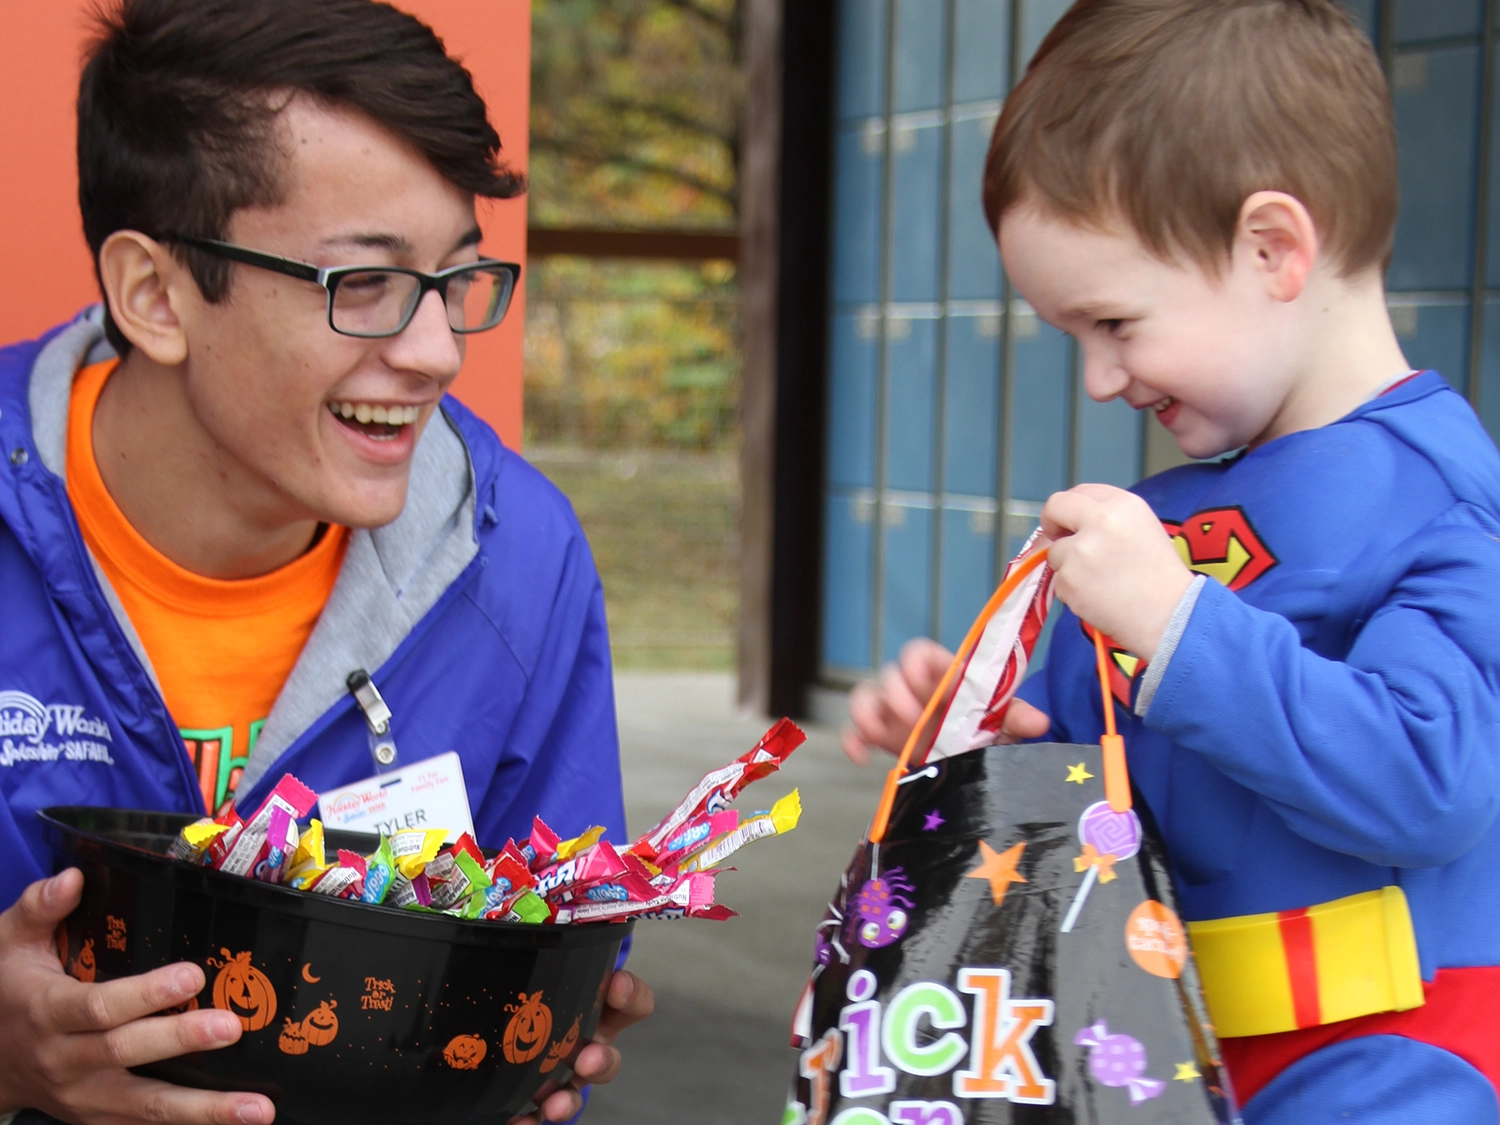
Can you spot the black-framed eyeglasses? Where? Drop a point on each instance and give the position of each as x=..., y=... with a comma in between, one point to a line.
x=376, y=301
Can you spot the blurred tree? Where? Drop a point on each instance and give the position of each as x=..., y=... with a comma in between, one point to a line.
x=635, y=113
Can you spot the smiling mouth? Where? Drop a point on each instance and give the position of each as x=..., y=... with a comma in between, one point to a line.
x=1164, y=405
x=377, y=421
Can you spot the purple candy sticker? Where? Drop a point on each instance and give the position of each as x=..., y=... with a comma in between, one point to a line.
x=1110, y=831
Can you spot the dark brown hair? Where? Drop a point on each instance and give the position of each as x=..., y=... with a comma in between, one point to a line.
x=178, y=104
x=1170, y=113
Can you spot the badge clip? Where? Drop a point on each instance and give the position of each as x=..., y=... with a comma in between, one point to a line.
x=377, y=719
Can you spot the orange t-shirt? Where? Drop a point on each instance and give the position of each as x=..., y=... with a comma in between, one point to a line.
x=221, y=649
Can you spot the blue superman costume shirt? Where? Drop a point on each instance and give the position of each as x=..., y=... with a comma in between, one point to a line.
x=1329, y=724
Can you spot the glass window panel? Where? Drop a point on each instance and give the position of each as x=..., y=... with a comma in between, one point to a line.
x=1364, y=14
x=1436, y=102
x=1434, y=334
x=1492, y=253
x=848, y=569
x=971, y=407
x=1109, y=442
x=1489, y=378
x=857, y=196
x=906, y=600
x=921, y=35
x=1037, y=18
x=968, y=571
x=917, y=151
x=861, y=58
x=1041, y=389
x=973, y=260
x=851, y=400
x=981, y=50
x=911, y=362
x=1437, y=19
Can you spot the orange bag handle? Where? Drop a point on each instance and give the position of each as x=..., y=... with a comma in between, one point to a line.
x=1116, y=779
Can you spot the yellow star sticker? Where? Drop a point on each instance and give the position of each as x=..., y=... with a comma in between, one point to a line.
x=1078, y=773
x=999, y=868
x=1186, y=1072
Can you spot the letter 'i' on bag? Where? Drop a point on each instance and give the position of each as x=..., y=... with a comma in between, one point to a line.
x=1005, y=945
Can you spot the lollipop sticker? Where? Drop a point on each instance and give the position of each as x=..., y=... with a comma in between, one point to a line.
x=1108, y=837
x=1119, y=1060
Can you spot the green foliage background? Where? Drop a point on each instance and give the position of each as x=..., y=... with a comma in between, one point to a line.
x=633, y=367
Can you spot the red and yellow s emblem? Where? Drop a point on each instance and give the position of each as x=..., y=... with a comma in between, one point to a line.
x=1217, y=542
x=1220, y=543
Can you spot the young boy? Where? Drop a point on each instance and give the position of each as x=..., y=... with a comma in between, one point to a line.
x=241, y=481
x=1203, y=193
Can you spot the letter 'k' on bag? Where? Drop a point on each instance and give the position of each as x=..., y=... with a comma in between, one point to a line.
x=1005, y=945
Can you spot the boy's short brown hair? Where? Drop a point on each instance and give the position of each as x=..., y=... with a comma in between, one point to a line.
x=1170, y=113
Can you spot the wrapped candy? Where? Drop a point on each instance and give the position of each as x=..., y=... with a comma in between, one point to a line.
x=193, y=842
x=782, y=817
x=719, y=787
x=544, y=879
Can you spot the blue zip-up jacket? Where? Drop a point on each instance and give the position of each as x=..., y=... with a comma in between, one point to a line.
x=478, y=613
x=1329, y=720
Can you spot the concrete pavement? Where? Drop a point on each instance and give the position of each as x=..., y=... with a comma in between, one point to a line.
x=715, y=1052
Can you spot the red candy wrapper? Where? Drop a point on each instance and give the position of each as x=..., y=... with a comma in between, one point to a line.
x=721, y=786
x=540, y=848
x=345, y=879
x=691, y=895
x=589, y=866
x=692, y=835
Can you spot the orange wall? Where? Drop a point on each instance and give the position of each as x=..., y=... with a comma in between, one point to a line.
x=47, y=274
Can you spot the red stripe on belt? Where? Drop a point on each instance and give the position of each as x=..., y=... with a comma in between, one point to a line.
x=1301, y=966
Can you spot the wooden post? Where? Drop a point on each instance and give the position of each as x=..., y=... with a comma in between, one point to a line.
x=759, y=193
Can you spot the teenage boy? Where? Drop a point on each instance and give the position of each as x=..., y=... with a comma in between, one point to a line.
x=241, y=481
x=1203, y=193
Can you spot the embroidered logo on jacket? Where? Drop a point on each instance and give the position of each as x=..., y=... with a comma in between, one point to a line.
x=33, y=731
x=1217, y=542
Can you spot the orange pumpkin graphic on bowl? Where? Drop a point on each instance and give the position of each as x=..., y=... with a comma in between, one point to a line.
x=243, y=989
x=562, y=1048
x=292, y=1040
x=85, y=967
x=529, y=1029
x=465, y=1052
x=321, y=1025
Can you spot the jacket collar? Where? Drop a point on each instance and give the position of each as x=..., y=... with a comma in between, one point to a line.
x=392, y=576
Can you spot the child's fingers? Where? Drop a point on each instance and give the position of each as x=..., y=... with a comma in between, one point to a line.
x=923, y=662
x=854, y=746
x=1064, y=513
x=1023, y=720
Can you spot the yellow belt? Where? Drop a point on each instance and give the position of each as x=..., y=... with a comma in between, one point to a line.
x=1264, y=973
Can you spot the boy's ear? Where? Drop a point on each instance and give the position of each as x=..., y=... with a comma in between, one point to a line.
x=1280, y=240
x=142, y=283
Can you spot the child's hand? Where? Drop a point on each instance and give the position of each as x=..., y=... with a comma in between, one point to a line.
x=1114, y=565
x=883, y=712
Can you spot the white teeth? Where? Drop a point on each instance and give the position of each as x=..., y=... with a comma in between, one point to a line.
x=366, y=412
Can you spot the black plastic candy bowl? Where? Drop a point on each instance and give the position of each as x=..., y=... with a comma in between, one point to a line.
x=353, y=1014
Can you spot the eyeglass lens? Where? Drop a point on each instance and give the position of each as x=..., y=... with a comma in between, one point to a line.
x=378, y=302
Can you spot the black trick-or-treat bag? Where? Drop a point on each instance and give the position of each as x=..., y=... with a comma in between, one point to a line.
x=1005, y=945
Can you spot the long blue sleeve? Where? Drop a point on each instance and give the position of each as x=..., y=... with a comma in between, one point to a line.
x=1392, y=753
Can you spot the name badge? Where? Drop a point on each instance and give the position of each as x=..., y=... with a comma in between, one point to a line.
x=426, y=794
